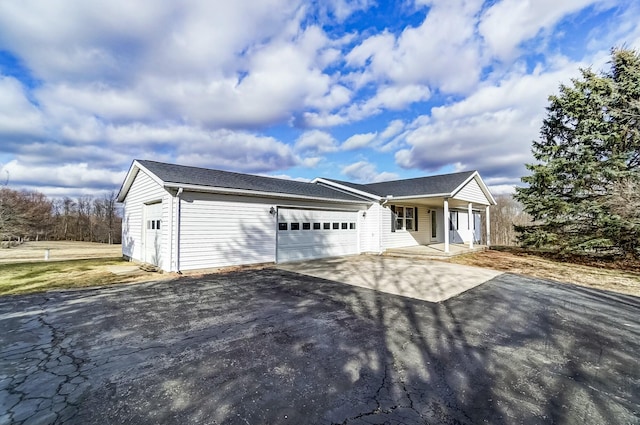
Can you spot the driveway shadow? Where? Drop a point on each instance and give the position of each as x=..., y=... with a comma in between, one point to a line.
x=272, y=346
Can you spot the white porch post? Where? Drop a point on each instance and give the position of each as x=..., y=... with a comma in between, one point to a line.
x=446, y=225
x=486, y=216
x=470, y=222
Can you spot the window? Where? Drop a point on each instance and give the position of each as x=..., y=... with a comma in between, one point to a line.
x=295, y=226
x=408, y=218
x=434, y=225
x=283, y=226
x=404, y=218
x=157, y=224
x=316, y=226
x=345, y=226
x=399, y=218
x=336, y=226
x=326, y=226
x=306, y=226
x=352, y=226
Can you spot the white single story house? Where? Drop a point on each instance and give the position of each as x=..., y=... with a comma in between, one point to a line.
x=183, y=218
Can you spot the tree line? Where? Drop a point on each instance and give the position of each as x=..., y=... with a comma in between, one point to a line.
x=30, y=215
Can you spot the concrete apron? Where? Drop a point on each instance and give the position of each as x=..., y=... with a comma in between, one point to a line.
x=426, y=280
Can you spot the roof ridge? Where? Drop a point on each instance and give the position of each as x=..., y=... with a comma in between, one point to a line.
x=419, y=178
x=142, y=161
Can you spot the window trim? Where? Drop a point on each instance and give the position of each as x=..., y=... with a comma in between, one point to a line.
x=400, y=222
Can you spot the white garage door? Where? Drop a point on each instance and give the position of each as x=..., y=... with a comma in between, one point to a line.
x=307, y=234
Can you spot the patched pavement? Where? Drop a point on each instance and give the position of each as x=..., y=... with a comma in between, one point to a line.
x=271, y=347
x=422, y=279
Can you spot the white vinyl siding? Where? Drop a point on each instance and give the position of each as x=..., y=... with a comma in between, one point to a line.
x=401, y=238
x=471, y=192
x=370, y=229
x=143, y=190
x=222, y=230
x=228, y=230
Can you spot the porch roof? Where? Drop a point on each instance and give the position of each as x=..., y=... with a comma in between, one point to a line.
x=440, y=185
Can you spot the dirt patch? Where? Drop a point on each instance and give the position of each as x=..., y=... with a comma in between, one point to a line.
x=598, y=277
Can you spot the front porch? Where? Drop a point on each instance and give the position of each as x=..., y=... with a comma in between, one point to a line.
x=437, y=250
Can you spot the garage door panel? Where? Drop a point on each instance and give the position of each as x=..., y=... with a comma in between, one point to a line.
x=303, y=234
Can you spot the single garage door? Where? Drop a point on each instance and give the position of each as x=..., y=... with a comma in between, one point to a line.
x=308, y=234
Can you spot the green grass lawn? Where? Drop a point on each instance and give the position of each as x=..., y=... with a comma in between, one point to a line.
x=22, y=278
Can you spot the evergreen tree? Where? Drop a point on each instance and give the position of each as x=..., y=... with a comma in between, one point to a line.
x=589, y=144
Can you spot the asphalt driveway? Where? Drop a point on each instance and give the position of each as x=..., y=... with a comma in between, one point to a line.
x=271, y=347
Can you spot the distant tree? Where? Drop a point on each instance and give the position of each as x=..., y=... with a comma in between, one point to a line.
x=24, y=214
x=506, y=214
x=589, y=146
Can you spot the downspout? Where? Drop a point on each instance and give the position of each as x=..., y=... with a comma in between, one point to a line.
x=177, y=232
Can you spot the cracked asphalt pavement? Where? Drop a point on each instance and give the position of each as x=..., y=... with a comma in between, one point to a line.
x=271, y=346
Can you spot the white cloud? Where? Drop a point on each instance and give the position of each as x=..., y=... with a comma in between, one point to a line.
x=315, y=119
x=365, y=172
x=394, y=128
x=428, y=53
x=491, y=130
x=316, y=141
x=18, y=116
x=507, y=23
x=358, y=141
x=287, y=177
x=62, y=176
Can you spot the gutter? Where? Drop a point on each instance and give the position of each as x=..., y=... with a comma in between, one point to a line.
x=246, y=192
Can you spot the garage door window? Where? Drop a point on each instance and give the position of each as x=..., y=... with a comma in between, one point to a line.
x=295, y=226
x=283, y=226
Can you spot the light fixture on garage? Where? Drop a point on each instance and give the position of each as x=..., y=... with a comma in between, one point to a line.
x=272, y=211
x=364, y=214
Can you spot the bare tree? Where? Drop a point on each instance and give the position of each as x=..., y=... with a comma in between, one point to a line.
x=23, y=215
x=503, y=216
x=624, y=202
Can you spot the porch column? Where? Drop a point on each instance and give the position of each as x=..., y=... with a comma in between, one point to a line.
x=470, y=221
x=486, y=216
x=446, y=225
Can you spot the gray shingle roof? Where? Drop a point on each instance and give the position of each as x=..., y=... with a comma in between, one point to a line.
x=181, y=174
x=432, y=185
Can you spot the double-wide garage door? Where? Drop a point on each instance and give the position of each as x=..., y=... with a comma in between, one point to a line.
x=308, y=234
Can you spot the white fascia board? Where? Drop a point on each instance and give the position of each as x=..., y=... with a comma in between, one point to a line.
x=433, y=195
x=127, y=182
x=245, y=192
x=483, y=187
x=131, y=175
x=346, y=188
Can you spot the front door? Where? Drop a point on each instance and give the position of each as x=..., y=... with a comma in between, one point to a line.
x=434, y=226
x=153, y=233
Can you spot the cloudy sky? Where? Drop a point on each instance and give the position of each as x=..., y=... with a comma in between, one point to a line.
x=359, y=90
